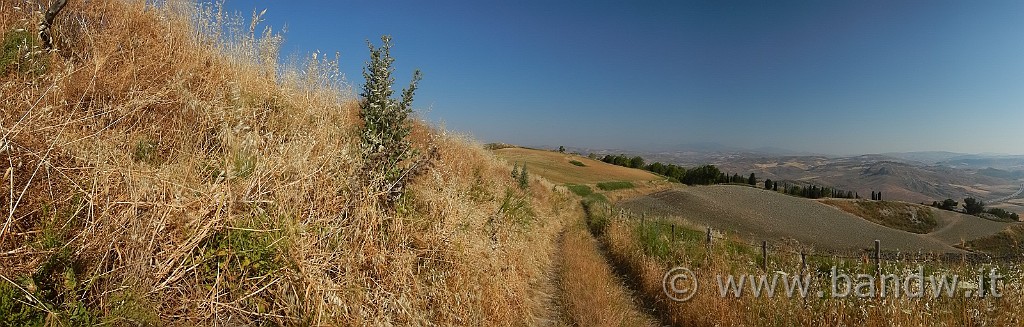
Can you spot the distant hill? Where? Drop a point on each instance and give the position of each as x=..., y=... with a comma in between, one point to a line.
x=981, y=162
x=926, y=157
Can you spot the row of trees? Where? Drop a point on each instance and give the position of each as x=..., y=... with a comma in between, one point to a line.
x=816, y=192
x=700, y=175
x=710, y=174
x=975, y=207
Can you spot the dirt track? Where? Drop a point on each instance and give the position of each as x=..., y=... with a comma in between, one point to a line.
x=758, y=214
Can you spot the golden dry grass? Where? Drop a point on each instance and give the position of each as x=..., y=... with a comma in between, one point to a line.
x=154, y=175
x=709, y=308
x=592, y=294
x=914, y=218
x=557, y=168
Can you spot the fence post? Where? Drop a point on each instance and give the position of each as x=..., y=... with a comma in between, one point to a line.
x=803, y=262
x=709, y=236
x=878, y=257
x=764, y=255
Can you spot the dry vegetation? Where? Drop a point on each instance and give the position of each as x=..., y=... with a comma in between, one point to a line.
x=593, y=295
x=757, y=214
x=1008, y=241
x=154, y=175
x=913, y=218
x=558, y=167
x=648, y=251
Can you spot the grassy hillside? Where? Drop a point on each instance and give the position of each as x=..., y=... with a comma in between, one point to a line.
x=558, y=167
x=154, y=173
x=914, y=218
x=758, y=214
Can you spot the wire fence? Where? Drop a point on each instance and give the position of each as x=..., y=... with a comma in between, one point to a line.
x=871, y=253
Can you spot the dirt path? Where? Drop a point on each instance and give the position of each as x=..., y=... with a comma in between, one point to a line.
x=592, y=291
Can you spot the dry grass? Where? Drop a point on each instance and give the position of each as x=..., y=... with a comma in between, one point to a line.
x=153, y=175
x=913, y=218
x=592, y=294
x=557, y=167
x=636, y=248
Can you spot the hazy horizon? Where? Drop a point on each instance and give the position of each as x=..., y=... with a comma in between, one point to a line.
x=822, y=77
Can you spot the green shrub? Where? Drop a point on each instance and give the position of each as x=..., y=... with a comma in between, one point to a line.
x=577, y=163
x=14, y=310
x=521, y=176
x=384, y=143
x=612, y=186
x=581, y=190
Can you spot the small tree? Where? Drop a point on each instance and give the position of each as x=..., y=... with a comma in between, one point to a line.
x=636, y=162
x=948, y=204
x=751, y=180
x=386, y=124
x=768, y=184
x=524, y=178
x=561, y=149
x=973, y=206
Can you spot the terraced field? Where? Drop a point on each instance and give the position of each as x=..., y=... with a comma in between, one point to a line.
x=757, y=214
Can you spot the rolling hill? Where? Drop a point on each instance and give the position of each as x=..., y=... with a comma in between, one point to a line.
x=557, y=167
x=757, y=214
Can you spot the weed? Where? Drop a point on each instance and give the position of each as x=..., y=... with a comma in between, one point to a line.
x=15, y=307
x=653, y=240
x=517, y=209
x=594, y=212
x=244, y=165
x=146, y=151
x=15, y=54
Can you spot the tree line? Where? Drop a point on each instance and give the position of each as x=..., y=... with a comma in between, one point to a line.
x=700, y=175
x=975, y=207
x=710, y=174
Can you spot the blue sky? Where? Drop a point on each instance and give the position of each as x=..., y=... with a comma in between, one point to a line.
x=819, y=76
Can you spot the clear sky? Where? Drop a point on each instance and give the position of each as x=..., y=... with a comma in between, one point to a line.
x=820, y=76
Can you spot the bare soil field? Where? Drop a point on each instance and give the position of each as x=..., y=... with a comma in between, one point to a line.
x=757, y=214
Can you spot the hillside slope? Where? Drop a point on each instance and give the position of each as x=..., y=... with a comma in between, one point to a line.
x=157, y=174
x=758, y=214
x=557, y=167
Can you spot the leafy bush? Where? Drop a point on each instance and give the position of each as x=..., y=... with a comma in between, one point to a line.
x=1003, y=214
x=577, y=163
x=612, y=186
